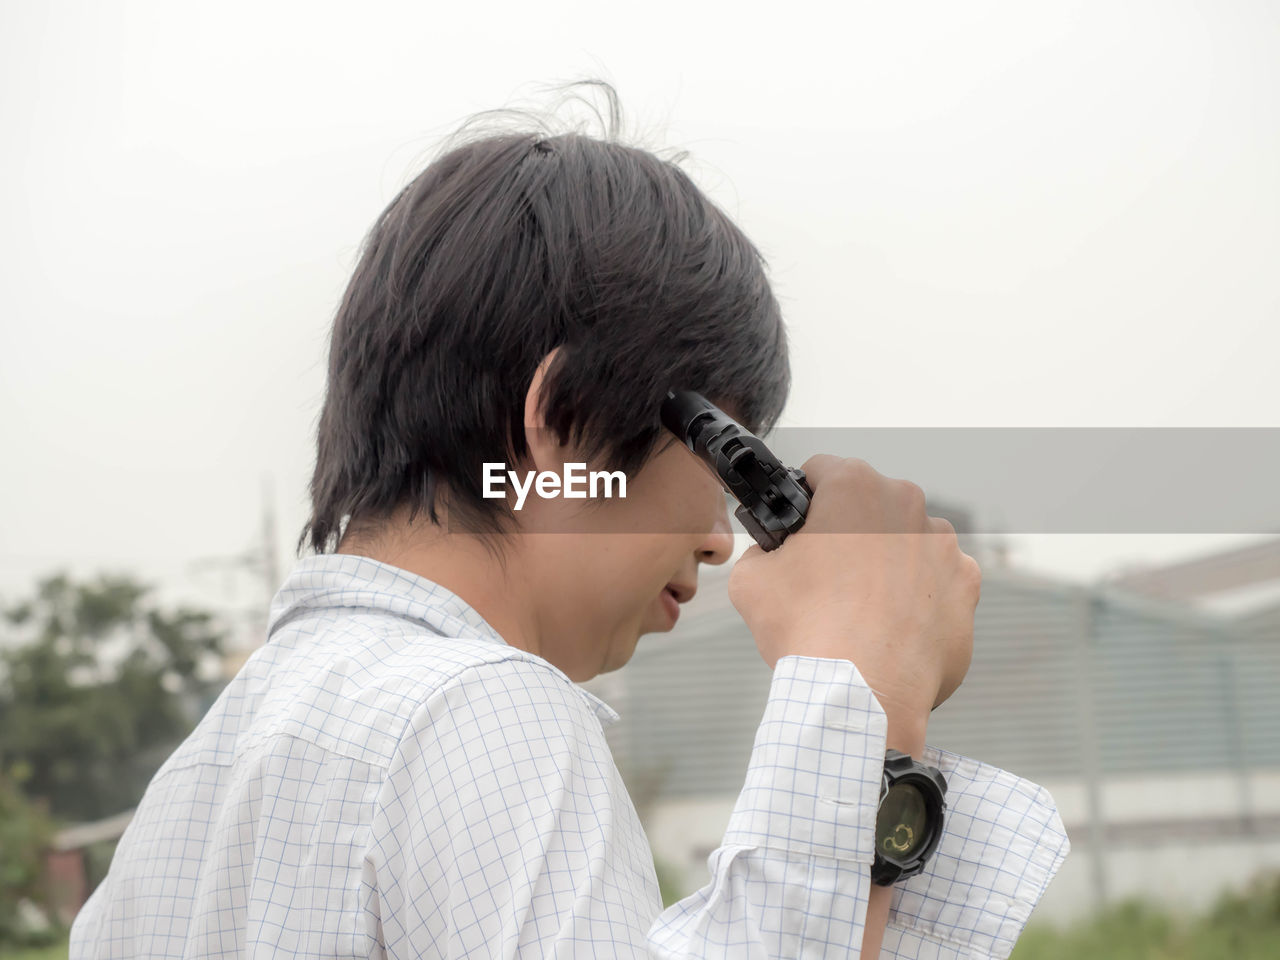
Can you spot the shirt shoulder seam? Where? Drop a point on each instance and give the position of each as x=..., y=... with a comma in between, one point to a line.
x=511, y=655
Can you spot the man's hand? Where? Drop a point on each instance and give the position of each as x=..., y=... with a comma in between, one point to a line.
x=870, y=578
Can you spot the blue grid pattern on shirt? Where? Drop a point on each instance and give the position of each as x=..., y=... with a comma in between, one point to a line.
x=387, y=774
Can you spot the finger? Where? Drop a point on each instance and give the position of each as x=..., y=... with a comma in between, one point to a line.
x=820, y=465
x=941, y=525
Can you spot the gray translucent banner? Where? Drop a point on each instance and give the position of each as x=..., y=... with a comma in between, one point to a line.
x=1072, y=479
x=1097, y=480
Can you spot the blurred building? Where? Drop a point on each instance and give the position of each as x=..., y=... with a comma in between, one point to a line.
x=1153, y=720
x=76, y=861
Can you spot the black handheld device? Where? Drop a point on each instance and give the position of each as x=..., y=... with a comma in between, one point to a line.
x=773, y=498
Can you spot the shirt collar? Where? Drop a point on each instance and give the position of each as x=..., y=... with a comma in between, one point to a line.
x=329, y=580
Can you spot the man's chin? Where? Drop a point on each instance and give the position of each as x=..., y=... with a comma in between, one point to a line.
x=619, y=657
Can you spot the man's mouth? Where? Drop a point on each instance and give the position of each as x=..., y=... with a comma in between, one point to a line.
x=674, y=594
x=670, y=604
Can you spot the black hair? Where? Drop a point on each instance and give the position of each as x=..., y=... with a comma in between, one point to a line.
x=502, y=249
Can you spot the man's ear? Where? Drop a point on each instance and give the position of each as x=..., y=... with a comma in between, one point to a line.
x=544, y=446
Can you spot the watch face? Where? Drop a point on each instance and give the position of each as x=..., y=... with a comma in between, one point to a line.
x=902, y=824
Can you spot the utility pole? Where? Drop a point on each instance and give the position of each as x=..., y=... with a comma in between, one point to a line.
x=270, y=559
x=260, y=561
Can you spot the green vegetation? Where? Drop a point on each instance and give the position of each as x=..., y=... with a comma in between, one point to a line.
x=95, y=691
x=96, y=688
x=54, y=951
x=25, y=829
x=669, y=883
x=1242, y=926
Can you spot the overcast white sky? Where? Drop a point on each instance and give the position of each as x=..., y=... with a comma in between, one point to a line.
x=978, y=214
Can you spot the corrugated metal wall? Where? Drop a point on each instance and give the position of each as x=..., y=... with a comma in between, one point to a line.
x=1018, y=706
x=1258, y=685
x=691, y=703
x=1063, y=679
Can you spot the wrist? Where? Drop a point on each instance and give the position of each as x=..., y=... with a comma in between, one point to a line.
x=906, y=732
x=906, y=722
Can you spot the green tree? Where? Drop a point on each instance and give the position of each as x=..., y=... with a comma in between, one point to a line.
x=96, y=687
x=24, y=832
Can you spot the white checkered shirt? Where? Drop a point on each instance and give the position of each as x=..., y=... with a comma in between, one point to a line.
x=386, y=777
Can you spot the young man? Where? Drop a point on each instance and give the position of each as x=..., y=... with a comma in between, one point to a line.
x=407, y=769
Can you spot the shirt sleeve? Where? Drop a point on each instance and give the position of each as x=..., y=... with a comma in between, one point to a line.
x=801, y=840
x=504, y=830
x=1002, y=842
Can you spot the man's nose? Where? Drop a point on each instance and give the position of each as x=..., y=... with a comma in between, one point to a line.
x=717, y=548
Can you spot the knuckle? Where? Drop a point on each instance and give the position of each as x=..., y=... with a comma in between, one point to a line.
x=912, y=495
x=825, y=469
x=818, y=459
x=737, y=594
x=845, y=474
x=851, y=468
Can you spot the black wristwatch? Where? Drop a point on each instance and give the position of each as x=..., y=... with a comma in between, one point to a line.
x=909, y=818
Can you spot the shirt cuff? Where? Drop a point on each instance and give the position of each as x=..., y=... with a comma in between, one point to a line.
x=813, y=782
x=1002, y=842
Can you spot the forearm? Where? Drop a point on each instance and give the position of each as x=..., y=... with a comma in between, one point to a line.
x=878, y=902
x=908, y=737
